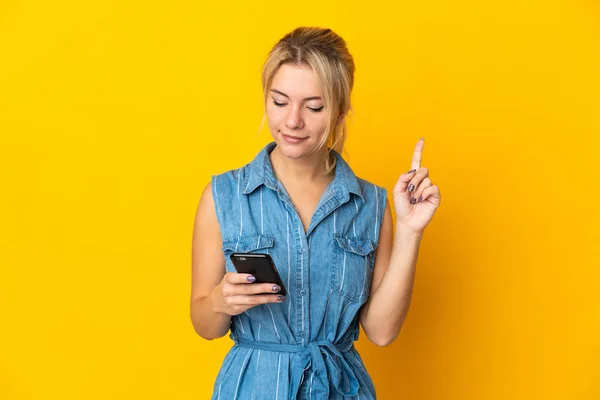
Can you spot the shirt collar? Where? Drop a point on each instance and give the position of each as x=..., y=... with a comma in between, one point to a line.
x=260, y=171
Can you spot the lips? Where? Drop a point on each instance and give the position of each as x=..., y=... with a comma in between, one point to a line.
x=292, y=139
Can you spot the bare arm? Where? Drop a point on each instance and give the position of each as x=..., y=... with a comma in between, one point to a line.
x=217, y=295
x=416, y=199
x=208, y=269
x=392, y=284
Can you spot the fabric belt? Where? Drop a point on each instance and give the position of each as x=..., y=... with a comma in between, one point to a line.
x=326, y=358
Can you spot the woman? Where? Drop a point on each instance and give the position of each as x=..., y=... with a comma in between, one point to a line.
x=328, y=232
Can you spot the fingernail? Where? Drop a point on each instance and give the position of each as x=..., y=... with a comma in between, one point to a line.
x=420, y=198
x=281, y=298
x=411, y=171
x=411, y=187
x=251, y=278
x=276, y=288
x=423, y=139
x=413, y=200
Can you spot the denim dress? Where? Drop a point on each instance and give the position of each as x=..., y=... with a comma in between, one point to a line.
x=302, y=348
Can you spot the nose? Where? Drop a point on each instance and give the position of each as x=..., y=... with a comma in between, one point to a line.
x=293, y=119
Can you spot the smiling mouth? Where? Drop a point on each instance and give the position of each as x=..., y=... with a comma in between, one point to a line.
x=293, y=137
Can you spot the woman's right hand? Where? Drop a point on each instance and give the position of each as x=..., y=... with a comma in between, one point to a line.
x=236, y=293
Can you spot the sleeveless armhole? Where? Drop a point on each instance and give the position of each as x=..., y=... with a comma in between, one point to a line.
x=381, y=199
x=215, y=195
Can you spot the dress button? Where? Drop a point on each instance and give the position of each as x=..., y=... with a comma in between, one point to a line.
x=302, y=250
x=303, y=334
x=302, y=292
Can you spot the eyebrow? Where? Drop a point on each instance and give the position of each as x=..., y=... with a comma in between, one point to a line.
x=305, y=99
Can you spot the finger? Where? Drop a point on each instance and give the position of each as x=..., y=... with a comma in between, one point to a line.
x=416, y=180
x=419, y=192
x=402, y=184
x=254, y=300
x=235, y=278
x=257, y=288
x=416, y=160
x=432, y=194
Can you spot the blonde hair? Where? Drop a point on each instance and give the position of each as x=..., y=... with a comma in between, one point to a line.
x=326, y=53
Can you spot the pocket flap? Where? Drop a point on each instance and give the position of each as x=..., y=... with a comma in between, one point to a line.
x=247, y=243
x=355, y=245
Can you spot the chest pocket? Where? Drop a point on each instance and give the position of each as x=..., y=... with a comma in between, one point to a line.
x=246, y=244
x=353, y=260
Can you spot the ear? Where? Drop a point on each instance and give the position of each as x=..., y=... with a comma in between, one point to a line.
x=340, y=119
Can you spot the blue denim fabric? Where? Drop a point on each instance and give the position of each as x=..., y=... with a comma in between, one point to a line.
x=301, y=348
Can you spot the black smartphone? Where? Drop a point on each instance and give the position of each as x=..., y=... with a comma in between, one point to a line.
x=261, y=266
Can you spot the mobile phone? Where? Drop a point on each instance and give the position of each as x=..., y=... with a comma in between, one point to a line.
x=261, y=266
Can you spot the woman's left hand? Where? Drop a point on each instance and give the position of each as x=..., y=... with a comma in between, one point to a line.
x=415, y=197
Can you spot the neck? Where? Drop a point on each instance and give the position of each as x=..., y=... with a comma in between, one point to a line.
x=299, y=170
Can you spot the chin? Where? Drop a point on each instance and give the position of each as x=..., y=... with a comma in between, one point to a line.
x=294, y=150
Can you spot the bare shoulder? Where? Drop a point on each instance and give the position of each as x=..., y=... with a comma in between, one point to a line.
x=208, y=262
x=206, y=206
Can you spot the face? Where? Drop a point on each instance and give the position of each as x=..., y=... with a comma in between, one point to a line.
x=296, y=113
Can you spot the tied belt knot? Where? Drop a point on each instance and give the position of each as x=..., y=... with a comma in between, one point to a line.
x=326, y=358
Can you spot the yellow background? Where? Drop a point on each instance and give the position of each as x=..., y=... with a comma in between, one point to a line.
x=114, y=115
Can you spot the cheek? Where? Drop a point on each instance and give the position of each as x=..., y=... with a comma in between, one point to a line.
x=274, y=115
x=318, y=122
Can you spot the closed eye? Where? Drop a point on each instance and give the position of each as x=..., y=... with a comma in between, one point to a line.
x=310, y=108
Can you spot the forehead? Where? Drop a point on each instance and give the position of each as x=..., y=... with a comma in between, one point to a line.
x=297, y=81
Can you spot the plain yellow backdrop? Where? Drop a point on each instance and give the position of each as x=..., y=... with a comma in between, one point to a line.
x=114, y=115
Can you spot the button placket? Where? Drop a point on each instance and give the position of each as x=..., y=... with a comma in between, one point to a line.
x=302, y=277
x=305, y=262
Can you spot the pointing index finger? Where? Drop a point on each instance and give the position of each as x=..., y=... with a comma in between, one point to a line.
x=416, y=160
